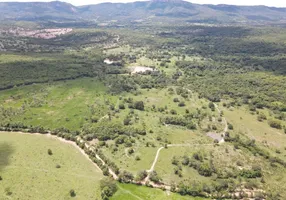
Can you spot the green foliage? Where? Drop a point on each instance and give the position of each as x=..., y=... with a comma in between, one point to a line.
x=108, y=188
x=176, y=100
x=180, y=121
x=253, y=173
x=155, y=177
x=61, y=67
x=72, y=193
x=139, y=105
x=230, y=126
x=275, y=123
x=141, y=175
x=261, y=116
x=50, y=152
x=125, y=177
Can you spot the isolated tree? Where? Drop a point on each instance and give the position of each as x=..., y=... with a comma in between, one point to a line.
x=50, y=152
x=182, y=104
x=121, y=106
x=230, y=126
x=130, y=151
x=173, y=112
x=176, y=100
x=72, y=193
x=139, y=105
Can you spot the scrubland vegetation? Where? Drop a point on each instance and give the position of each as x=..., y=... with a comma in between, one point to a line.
x=207, y=122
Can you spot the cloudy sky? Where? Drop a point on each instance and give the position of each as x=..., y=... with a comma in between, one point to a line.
x=277, y=3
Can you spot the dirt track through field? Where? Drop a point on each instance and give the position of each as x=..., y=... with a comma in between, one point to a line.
x=169, y=145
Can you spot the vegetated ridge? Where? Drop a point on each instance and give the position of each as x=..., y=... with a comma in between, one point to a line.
x=145, y=11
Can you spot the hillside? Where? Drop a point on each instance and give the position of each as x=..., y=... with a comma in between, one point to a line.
x=147, y=11
x=32, y=11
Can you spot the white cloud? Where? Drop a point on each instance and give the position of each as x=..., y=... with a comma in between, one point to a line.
x=278, y=3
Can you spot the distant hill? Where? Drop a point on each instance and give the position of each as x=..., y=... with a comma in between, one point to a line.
x=145, y=11
x=34, y=11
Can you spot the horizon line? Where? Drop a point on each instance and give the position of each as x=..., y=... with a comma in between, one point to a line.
x=78, y=5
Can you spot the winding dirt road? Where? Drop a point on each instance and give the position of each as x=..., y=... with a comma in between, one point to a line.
x=169, y=145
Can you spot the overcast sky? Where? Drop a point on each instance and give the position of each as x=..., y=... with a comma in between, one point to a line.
x=277, y=3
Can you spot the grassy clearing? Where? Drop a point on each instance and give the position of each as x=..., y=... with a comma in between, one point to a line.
x=247, y=124
x=62, y=104
x=224, y=159
x=157, y=134
x=30, y=173
x=10, y=58
x=133, y=192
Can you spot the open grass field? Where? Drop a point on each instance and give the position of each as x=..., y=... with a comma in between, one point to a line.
x=247, y=124
x=224, y=159
x=30, y=173
x=62, y=104
x=133, y=192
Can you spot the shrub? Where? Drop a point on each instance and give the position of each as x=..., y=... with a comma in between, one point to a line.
x=58, y=166
x=155, y=177
x=127, y=121
x=108, y=187
x=186, y=160
x=121, y=106
x=230, y=126
x=173, y=112
x=275, y=123
x=261, y=117
x=130, y=151
x=141, y=175
x=8, y=191
x=181, y=104
x=205, y=169
x=139, y=105
x=176, y=100
x=175, y=161
x=94, y=119
x=72, y=193
x=50, y=152
x=191, y=126
x=105, y=170
x=137, y=158
x=255, y=172
x=212, y=106
x=125, y=177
